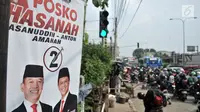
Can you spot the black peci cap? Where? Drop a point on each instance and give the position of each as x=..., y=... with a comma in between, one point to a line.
x=64, y=72
x=33, y=71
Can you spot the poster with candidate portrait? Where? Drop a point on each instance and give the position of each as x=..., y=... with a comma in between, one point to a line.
x=44, y=55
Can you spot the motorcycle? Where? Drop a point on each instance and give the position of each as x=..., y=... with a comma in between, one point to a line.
x=198, y=107
x=192, y=90
x=172, y=88
x=196, y=97
x=168, y=98
x=182, y=94
x=134, y=78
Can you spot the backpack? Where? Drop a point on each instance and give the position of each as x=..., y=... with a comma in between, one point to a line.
x=158, y=100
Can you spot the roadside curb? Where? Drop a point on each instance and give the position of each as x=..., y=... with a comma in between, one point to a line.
x=131, y=105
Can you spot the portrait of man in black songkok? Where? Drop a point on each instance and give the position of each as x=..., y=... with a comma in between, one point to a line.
x=32, y=86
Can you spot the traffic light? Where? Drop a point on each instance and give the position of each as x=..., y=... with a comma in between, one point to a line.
x=138, y=45
x=103, y=23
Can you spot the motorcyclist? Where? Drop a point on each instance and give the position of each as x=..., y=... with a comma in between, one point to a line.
x=149, y=98
x=157, y=71
x=165, y=71
x=191, y=79
x=194, y=76
x=151, y=77
x=182, y=84
x=141, y=75
x=197, y=84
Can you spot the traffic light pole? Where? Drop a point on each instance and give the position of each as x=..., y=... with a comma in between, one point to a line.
x=102, y=39
x=4, y=23
x=115, y=40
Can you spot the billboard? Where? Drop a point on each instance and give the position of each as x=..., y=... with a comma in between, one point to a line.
x=191, y=48
x=44, y=55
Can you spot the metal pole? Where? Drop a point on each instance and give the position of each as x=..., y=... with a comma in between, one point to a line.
x=4, y=24
x=102, y=40
x=82, y=102
x=183, y=61
x=111, y=46
x=115, y=41
x=84, y=18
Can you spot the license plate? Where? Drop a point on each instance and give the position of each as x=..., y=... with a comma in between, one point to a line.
x=173, y=86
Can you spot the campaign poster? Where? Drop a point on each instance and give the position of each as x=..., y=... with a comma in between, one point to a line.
x=44, y=55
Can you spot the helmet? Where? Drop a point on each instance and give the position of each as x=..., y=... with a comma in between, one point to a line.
x=182, y=75
x=198, y=76
x=165, y=69
x=193, y=73
x=141, y=95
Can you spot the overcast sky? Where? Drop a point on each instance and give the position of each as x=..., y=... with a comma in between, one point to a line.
x=151, y=26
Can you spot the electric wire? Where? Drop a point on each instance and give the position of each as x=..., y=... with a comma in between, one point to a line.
x=132, y=19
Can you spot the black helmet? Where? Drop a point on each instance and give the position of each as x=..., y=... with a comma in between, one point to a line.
x=182, y=75
x=141, y=95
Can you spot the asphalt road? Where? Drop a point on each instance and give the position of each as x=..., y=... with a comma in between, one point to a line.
x=177, y=106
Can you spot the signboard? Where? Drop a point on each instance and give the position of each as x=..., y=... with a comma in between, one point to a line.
x=187, y=11
x=44, y=55
x=191, y=48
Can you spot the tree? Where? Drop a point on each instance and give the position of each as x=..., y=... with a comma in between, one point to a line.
x=138, y=53
x=165, y=55
x=157, y=54
x=152, y=50
x=96, y=63
x=100, y=3
x=146, y=50
x=95, y=67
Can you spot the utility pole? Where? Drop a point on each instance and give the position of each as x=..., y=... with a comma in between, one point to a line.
x=84, y=23
x=115, y=41
x=84, y=18
x=103, y=43
x=111, y=47
x=4, y=26
x=183, y=21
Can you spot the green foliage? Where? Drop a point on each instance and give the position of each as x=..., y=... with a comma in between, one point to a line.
x=139, y=53
x=86, y=38
x=79, y=108
x=165, y=65
x=152, y=50
x=100, y=3
x=96, y=63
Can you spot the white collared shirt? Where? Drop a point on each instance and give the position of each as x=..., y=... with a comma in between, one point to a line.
x=28, y=104
x=65, y=98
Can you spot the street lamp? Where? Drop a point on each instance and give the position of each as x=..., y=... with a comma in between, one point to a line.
x=183, y=21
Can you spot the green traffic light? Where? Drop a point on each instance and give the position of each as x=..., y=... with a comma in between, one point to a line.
x=103, y=33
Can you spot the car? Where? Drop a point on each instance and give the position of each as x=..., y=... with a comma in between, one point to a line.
x=177, y=68
x=190, y=68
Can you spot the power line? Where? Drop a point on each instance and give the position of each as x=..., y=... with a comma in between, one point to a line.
x=128, y=46
x=121, y=9
x=122, y=12
x=132, y=19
